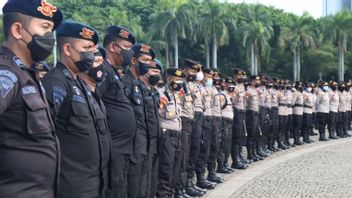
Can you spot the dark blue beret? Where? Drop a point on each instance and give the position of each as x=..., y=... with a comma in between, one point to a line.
x=189, y=63
x=35, y=8
x=101, y=52
x=121, y=32
x=175, y=72
x=158, y=65
x=73, y=29
x=140, y=48
x=208, y=71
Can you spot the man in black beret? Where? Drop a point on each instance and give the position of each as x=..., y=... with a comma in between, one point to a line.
x=29, y=151
x=82, y=153
x=121, y=117
x=135, y=90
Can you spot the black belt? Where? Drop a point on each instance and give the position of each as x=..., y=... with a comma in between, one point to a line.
x=172, y=133
x=187, y=120
x=307, y=106
x=298, y=105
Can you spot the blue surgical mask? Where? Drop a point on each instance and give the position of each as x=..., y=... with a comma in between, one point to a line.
x=325, y=88
x=209, y=83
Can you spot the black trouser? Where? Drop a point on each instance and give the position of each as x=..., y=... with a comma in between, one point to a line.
x=149, y=176
x=202, y=162
x=307, y=124
x=332, y=122
x=349, y=117
x=282, y=128
x=237, y=130
x=225, y=141
x=274, y=125
x=341, y=127
x=288, y=132
x=119, y=170
x=252, y=122
x=322, y=122
x=315, y=121
x=185, y=149
x=169, y=162
x=135, y=175
x=265, y=125
x=297, y=125
x=214, y=144
x=196, y=139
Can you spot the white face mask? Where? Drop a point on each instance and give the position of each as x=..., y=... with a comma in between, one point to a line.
x=309, y=89
x=199, y=76
x=325, y=88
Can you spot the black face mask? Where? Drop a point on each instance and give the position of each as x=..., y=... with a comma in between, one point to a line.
x=231, y=89
x=126, y=55
x=86, y=61
x=216, y=82
x=240, y=80
x=269, y=86
x=154, y=79
x=142, y=68
x=191, y=78
x=94, y=71
x=41, y=47
x=277, y=87
x=333, y=88
x=257, y=85
x=176, y=86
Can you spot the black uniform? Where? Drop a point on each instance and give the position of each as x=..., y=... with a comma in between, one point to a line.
x=28, y=146
x=81, y=149
x=122, y=125
x=135, y=92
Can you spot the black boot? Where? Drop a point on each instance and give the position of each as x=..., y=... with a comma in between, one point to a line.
x=237, y=163
x=260, y=151
x=203, y=183
x=297, y=140
x=190, y=190
x=250, y=153
x=306, y=137
x=215, y=178
x=332, y=135
x=222, y=169
x=255, y=154
x=322, y=136
x=244, y=161
x=178, y=193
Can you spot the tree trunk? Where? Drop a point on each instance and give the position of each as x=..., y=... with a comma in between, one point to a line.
x=298, y=64
x=215, y=51
x=176, y=49
x=167, y=52
x=207, y=55
x=294, y=65
x=252, y=59
x=256, y=58
x=341, y=62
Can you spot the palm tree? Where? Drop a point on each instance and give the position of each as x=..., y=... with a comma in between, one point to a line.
x=256, y=29
x=298, y=32
x=172, y=24
x=338, y=29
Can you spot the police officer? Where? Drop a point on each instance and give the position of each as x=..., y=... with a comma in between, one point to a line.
x=308, y=103
x=289, y=105
x=170, y=140
x=121, y=118
x=297, y=101
x=29, y=151
x=341, y=117
x=348, y=107
x=323, y=108
x=149, y=176
x=283, y=116
x=264, y=117
x=252, y=117
x=335, y=104
x=184, y=186
x=134, y=88
x=81, y=149
x=239, y=119
x=274, y=93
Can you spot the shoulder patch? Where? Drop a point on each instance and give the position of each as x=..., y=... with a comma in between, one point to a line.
x=58, y=95
x=18, y=61
x=9, y=74
x=6, y=85
x=67, y=73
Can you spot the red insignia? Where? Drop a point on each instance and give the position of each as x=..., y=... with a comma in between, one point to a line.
x=47, y=9
x=87, y=33
x=145, y=48
x=124, y=33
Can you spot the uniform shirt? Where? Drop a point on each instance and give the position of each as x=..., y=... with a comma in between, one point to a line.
x=268, y=98
x=262, y=96
x=227, y=112
x=349, y=101
x=274, y=97
x=187, y=104
x=298, y=103
x=289, y=104
x=323, y=102
x=314, y=96
x=120, y=114
x=308, y=102
x=28, y=146
x=252, y=99
x=282, y=103
x=170, y=112
x=207, y=97
x=198, y=97
x=216, y=102
x=239, y=100
x=152, y=101
x=334, y=101
x=77, y=133
x=343, y=101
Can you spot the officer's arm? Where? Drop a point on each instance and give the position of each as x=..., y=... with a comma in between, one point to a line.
x=56, y=93
x=8, y=89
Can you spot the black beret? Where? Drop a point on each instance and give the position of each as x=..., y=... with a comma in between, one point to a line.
x=175, y=72
x=216, y=72
x=254, y=77
x=189, y=63
x=101, y=52
x=342, y=85
x=299, y=84
x=208, y=71
x=73, y=29
x=121, y=32
x=324, y=84
x=238, y=71
x=140, y=48
x=157, y=65
x=229, y=80
x=35, y=8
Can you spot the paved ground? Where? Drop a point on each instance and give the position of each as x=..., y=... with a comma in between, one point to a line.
x=322, y=169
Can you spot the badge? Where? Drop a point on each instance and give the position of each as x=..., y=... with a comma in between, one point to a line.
x=18, y=61
x=58, y=95
x=28, y=90
x=87, y=33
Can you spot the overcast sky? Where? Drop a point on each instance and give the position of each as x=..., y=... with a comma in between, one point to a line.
x=314, y=7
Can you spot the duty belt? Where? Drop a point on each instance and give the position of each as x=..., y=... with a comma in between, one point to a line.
x=307, y=106
x=298, y=105
x=172, y=133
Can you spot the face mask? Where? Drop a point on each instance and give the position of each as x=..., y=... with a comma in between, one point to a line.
x=97, y=73
x=126, y=55
x=154, y=79
x=257, y=85
x=276, y=87
x=325, y=88
x=231, y=89
x=216, y=82
x=293, y=89
x=283, y=87
x=269, y=86
x=200, y=76
x=41, y=47
x=309, y=89
x=86, y=61
x=209, y=83
x=191, y=78
x=334, y=88
x=240, y=80
x=176, y=86
x=142, y=68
